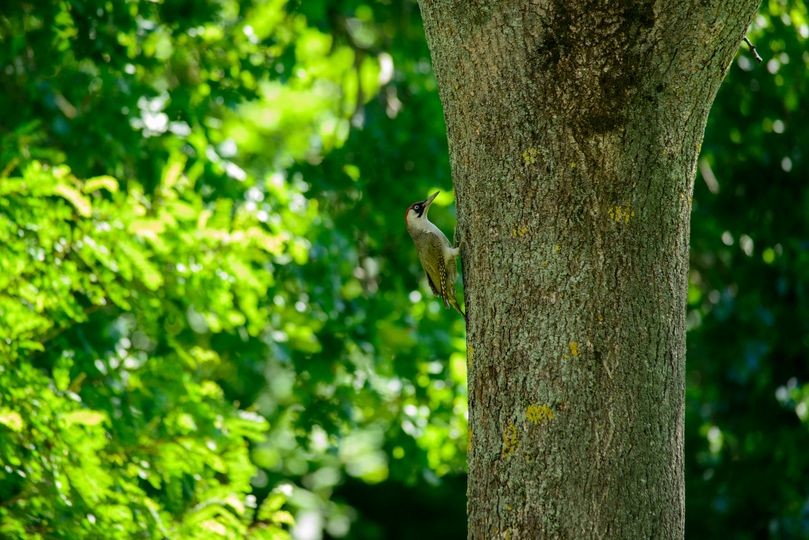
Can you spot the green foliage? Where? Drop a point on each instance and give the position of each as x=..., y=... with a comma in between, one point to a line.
x=209, y=326
x=113, y=421
x=203, y=327
x=746, y=425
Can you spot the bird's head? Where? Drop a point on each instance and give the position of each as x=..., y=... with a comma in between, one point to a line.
x=416, y=213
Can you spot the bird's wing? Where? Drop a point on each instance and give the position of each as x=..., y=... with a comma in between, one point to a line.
x=431, y=284
x=432, y=260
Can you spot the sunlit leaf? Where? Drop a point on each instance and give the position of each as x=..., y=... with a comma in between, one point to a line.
x=72, y=195
x=97, y=183
x=84, y=417
x=11, y=419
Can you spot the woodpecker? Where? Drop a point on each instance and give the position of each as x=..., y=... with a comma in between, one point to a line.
x=436, y=255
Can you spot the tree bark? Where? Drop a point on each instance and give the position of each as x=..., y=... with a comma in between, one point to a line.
x=574, y=129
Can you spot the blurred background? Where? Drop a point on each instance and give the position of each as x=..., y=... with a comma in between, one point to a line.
x=213, y=323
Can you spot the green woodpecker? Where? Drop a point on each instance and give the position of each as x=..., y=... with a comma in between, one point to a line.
x=436, y=254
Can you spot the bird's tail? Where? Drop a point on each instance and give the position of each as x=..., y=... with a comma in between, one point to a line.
x=454, y=303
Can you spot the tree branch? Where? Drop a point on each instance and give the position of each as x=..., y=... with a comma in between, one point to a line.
x=753, y=50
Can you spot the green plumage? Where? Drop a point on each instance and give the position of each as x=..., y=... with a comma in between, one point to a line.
x=438, y=265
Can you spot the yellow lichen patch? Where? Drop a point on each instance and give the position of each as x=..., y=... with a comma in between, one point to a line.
x=511, y=440
x=573, y=351
x=557, y=248
x=621, y=213
x=538, y=414
x=529, y=156
x=687, y=198
x=519, y=231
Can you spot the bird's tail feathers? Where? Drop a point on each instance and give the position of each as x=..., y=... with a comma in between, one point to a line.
x=454, y=304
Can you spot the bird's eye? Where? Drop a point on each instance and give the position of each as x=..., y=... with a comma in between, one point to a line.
x=417, y=208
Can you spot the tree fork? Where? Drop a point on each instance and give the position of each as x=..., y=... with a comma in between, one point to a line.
x=574, y=130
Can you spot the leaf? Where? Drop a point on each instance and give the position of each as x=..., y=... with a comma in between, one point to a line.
x=282, y=517
x=100, y=182
x=31, y=345
x=147, y=228
x=11, y=419
x=79, y=201
x=172, y=171
x=149, y=273
x=84, y=417
x=274, y=501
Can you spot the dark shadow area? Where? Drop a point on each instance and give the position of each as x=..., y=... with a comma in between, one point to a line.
x=394, y=511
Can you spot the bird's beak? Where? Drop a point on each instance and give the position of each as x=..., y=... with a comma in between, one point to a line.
x=430, y=199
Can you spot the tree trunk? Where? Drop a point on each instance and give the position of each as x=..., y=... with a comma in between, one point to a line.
x=574, y=129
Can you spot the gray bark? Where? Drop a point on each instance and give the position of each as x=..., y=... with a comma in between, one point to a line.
x=574, y=129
